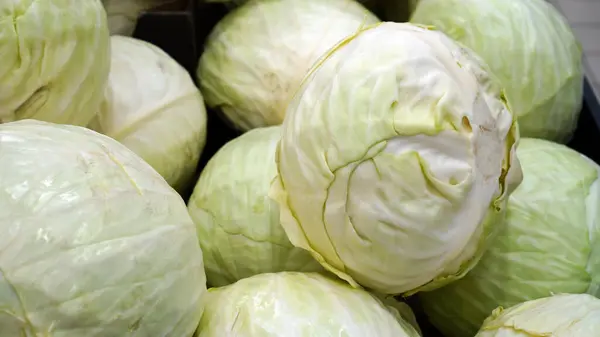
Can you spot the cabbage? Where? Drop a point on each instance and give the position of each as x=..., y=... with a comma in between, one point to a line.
x=238, y=225
x=152, y=106
x=55, y=60
x=298, y=304
x=256, y=57
x=549, y=244
x=123, y=14
x=560, y=316
x=94, y=242
x=393, y=160
x=530, y=47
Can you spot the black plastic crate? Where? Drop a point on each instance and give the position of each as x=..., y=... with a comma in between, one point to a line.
x=172, y=28
x=181, y=32
x=586, y=139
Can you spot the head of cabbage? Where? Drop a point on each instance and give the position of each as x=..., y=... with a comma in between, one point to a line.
x=55, y=60
x=530, y=47
x=299, y=304
x=563, y=315
x=153, y=107
x=256, y=57
x=238, y=224
x=396, y=156
x=549, y=243
x=94, y=242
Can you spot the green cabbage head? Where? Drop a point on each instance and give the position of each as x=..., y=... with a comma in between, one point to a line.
x=153, y=107
x=238, y=224
x=94, y=242
x=54, y=60
x=550, y=242
x=298, y=305
x=564, y=315
x=395, y=158
x=530, y=47
x=256, y=57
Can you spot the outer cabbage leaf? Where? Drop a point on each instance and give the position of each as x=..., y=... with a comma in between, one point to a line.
x=94, y=242
x=256, y=57
x=298, y=305
x=549, y=244
x=396, y=157
x=238, y=224
x=565, y=315
x=153, y=107
x=123, y=14
x=55, y=59
x=530, y=47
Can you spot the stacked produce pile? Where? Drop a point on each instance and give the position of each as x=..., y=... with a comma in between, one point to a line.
x=378, y=164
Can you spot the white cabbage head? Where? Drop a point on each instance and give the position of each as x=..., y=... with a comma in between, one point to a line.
x=564, y=315
x=530, y=47
x=153, y=107
x=55, y=59
x=123, y=14
x=256, y=57
x=295, y=304
x=238, y=224
x=94, y=242
x=550, y=242
x=394, y=160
